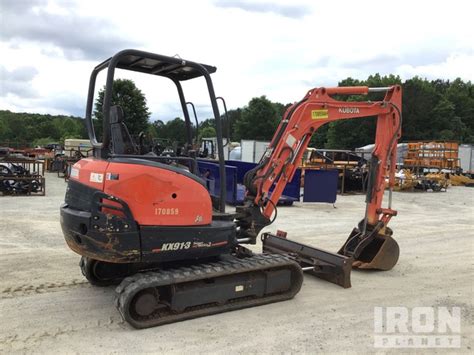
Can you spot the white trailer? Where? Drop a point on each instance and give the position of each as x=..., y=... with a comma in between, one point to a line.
x=252, y=151
x=466, y=157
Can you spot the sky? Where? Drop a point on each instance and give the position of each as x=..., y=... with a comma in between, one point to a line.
x=280, y=49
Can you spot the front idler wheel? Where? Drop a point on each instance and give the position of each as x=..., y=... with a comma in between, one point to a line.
x=145, y=303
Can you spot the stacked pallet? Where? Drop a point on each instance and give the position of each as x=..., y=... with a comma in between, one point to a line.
x=438, y=155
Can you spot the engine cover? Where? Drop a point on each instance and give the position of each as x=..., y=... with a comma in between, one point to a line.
x=157, y=194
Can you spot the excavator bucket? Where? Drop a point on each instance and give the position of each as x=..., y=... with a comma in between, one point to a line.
x=374, y=250
x=381, y=254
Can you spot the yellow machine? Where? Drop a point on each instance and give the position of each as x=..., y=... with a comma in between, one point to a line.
x=460, y=180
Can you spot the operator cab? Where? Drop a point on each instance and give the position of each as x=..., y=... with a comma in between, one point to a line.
x=117, y=143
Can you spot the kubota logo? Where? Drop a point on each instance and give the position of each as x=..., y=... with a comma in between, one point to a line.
x=349, y=110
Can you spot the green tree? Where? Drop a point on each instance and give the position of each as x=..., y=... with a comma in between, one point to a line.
x=69, y=127
x=5, y=131
x=210, y=122
x=280, y=109
x=207, y=132
x=259, y=120
x=41, y=142
x=438, y=109
x=49, y=129
x=444, y=122
x=320, y=137
x=157, y=126
x=133, y=103
x=461, y=95
x=353, y=133
x=174, y=130
x=419, y=99
x=228, y=124
x=26, y=129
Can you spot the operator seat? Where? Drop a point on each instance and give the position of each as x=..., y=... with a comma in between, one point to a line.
x=121, y=140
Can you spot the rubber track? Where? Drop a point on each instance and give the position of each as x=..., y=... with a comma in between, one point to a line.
x=130, y=286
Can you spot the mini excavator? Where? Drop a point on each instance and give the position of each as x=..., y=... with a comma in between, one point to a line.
x=147, y=223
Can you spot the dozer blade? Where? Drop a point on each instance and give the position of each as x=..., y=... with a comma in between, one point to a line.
x=372, y=251
x=328, y=266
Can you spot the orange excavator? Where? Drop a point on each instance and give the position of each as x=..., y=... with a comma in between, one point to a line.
x=147, y=222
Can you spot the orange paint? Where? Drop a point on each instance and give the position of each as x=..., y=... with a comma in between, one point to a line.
x=156, y=196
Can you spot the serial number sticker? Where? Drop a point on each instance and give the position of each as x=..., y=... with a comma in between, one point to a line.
x=239, y=288
x=319, y=114
x=167, y=211
x=96, y=177
x=74, y=173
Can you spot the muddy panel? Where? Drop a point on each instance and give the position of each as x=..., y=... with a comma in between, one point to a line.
x=91, y=240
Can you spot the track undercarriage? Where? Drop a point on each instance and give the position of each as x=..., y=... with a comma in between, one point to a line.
x=154, y=297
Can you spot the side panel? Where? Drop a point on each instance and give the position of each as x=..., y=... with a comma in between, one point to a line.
x=159, y=197
x=161, y=244
x=90, y=172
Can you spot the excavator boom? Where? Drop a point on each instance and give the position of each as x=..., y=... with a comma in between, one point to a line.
x=370, y=244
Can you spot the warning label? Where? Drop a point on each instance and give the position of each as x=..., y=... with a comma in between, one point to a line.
x=96, y=177
x=319, y=114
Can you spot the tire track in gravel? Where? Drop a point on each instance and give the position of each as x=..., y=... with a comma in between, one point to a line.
x=47, y=287
x=25, y=341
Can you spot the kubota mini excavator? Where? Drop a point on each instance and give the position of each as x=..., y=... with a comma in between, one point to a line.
x=147, y=222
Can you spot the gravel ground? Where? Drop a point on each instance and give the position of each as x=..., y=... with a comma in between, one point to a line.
x=47, y=307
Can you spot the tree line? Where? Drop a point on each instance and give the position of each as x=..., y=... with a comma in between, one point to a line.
x=18, y=130
x=432, y=110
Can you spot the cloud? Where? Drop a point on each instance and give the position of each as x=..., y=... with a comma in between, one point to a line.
x=77, y=37
x=457, y=65
x=17, y=6
x=17, y=81
x=65, y=103
x=425, y=55
x=291, y=11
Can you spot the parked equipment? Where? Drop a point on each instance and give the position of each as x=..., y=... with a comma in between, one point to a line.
x=352, y=166
x=461, y=180
x=17, y=179
x=74, y=150
x=146, y=222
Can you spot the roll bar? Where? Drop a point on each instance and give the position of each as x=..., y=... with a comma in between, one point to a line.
x=173, y=68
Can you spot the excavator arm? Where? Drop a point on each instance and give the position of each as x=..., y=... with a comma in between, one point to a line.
x=265, y=183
